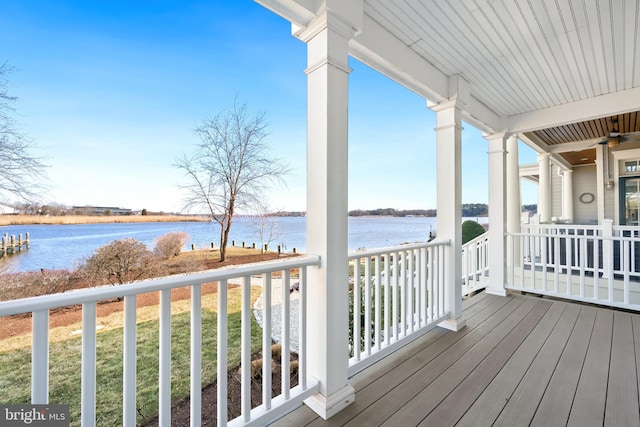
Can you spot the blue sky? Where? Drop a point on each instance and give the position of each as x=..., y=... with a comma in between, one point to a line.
x=110, y=91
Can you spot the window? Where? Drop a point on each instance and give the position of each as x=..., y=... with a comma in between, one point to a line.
x=631, y=167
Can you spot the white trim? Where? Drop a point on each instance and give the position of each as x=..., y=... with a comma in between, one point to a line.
x=630, y=154
x=600, y=106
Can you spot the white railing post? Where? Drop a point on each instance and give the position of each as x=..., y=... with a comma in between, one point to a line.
x=164, y=370
x=40, y=358
x=88, y=383
x=195, y=410
x=221, y=348
x=129, y=362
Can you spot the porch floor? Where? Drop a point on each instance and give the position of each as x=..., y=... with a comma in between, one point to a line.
x=521, y=360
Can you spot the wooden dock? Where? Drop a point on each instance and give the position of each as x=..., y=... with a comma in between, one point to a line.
x=11, y=244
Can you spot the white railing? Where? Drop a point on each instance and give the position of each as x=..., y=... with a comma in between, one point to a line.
x=271, y=408
x=596, y=264
x=475, y=264
x=396, y=295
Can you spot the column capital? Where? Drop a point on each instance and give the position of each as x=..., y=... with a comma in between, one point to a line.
x=544, y=156
x=346, y=23
x=567, y=171
x=496, y=135
x=444, y=105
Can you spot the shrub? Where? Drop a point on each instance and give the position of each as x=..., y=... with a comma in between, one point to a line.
x=121, y=261
x=170, y=245
x=471, y=230
x=33, y=283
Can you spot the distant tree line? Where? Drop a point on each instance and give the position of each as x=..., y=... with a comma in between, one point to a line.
x=468, y=210
x=59, y=209
x=393, y=212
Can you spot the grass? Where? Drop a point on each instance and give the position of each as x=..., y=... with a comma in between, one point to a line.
x=65, y=362
x=86, y=219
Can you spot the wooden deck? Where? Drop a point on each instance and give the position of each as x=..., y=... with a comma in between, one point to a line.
x=521, y=360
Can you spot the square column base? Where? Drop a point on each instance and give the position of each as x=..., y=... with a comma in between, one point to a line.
x=328, y=406
x=453, y=324
x=501, y=292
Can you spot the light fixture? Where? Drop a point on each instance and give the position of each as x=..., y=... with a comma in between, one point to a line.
x=613, y=143
x=609, y=184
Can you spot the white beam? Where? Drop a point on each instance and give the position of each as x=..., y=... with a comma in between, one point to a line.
x=385, y=53
x=592, y=108
x=299, y=12
x=382, y=51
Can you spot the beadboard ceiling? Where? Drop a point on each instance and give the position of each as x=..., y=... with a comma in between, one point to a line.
x=553, y=70
x=523, y=55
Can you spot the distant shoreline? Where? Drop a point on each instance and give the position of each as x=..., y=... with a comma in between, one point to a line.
x=6, y=220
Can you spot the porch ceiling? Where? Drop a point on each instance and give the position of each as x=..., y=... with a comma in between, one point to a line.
x=523, y=66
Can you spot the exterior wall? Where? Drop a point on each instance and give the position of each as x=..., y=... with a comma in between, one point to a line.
x=584, y=181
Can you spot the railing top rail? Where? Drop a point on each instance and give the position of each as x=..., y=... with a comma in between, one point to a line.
x=579, y=236
x=397, y=248
x=483, y=236
x=626, y=227
x=46, y=302
x=565, y=226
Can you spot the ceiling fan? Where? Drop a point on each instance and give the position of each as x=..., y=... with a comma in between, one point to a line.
x=614, y=137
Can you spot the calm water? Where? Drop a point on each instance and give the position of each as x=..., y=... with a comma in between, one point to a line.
x=63, y=246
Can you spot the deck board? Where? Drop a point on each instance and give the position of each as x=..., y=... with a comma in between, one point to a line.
x=493, y=399
x=421, y=405
x=477, y=380
x=525, y=399
x=521, y=360
x=394, y=399
x=556, y=403
x=402, y=372
x=622, y=390
x=588, y=404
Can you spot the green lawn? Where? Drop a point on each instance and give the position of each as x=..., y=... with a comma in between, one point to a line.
x=65, y=362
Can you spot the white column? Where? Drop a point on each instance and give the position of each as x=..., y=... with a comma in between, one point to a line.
x=497, y=214
x=449, y=200
x=601, y=158
x=327, y=211
x=514, y=203
x=544, y=188
x=567, y=195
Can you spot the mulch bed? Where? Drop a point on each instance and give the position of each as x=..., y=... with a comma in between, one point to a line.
x=180, y=413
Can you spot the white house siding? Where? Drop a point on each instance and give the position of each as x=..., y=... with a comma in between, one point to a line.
x=584, y=181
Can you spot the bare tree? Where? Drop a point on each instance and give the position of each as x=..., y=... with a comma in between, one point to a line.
x=230, y=168
x=265, y=225
x=21, y=174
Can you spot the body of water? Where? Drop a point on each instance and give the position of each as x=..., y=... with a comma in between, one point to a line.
x=64, y=246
